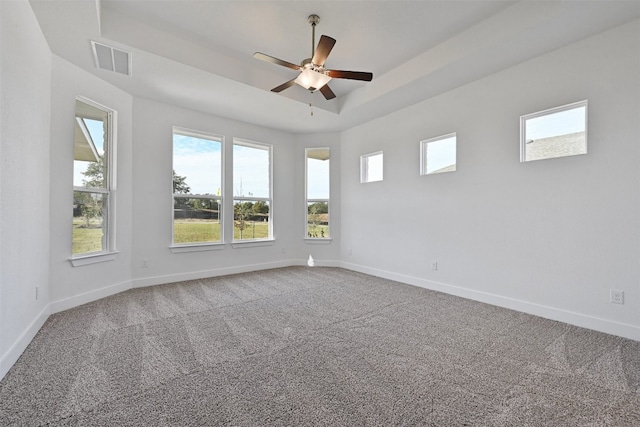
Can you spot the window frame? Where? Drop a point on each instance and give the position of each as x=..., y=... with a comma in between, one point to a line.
x=109, y=248
x=315, y=200
x=260, y=146
x=364, y=167
x=549, y=111
x=423, y=153
x=190, y=246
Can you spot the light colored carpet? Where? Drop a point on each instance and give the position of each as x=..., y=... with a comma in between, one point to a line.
x=315, y=346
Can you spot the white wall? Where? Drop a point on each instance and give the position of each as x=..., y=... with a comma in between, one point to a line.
x=548, y=237
x=152, y=208
x=25, y=105
x=71, y=286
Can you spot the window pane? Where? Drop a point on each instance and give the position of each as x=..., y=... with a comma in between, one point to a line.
x=92, y=176
x=196, y=220
x=89, y=221
x=439, y=155
x=318, y=181
x=556, y=132
x=88, y=153
x=197, y=161
x=371, y=167
x=251, y=171
x=317, y=178
x=318, y=220
x=251, y=220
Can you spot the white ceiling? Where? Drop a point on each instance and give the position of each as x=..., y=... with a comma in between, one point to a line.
x=198, y=54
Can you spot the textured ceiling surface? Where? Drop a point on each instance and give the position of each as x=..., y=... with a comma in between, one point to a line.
x=198, y=54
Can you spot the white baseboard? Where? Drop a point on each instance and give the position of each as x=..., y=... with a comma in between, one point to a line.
x=203, y=274
x=76, y=300
x=577, y=319
x=19, y=346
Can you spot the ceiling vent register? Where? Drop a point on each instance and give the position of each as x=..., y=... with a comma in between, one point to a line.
x=111, y=59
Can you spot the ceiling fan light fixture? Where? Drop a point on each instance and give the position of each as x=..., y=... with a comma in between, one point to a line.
x=312, y=79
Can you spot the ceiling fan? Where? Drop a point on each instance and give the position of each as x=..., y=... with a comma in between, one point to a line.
x=313, y=74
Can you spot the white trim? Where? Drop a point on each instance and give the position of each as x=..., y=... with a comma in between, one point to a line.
x=204, y=274
x=193, y=247
x=364, y=167
x=612, y=327
x=250, y=243
x=93, y=258
x=86, y=297
x=20, y=345
x=318, y=240
x=198, y=134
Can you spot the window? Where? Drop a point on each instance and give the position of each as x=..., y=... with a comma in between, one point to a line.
x=371, y=167
x=557, y=132
x=93, y=180
x=317, y=164
x=251, y=191
x=197, y=187
x=438, y=155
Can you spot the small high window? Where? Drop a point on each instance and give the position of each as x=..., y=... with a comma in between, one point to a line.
x=197, y=187
x=556, y=132
x=252, y=205
x=93, y=178
x=438, y=155
x=371, y=166
x=317, y=164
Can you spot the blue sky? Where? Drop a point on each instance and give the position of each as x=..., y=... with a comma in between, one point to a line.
x=560, y=123
x=200, y=161
x=317, y=179
x=250, y=171
x=441, y=153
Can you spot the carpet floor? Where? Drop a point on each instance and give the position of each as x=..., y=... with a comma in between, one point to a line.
x=304, y=346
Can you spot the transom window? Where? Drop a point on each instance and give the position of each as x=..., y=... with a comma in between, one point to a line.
x=371, y=167
x=556, y=132
x=317, y=167
x=252, y=204
x=438, y=155
x=93, y=219
x=197, y=187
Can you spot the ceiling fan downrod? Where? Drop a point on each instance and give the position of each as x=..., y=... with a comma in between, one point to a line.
x=313, y=20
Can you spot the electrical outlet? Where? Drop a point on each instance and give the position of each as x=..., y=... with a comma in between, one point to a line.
x=37, y=292
x=616, y=297
x=144, y=263
x=434, y=265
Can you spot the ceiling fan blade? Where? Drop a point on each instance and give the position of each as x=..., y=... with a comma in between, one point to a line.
x=327, y=92
x=276, y=61
x=322, y=51
x=283, y=86
x=352, y=75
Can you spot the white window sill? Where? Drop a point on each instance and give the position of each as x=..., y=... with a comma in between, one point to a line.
x=93, y=258
x=178, y=249
x=318, y=241
x=252, y=243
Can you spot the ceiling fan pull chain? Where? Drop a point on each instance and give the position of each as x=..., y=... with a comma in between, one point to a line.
x=311, y=106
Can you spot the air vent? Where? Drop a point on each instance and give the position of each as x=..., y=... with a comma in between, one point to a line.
x=111, y=59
